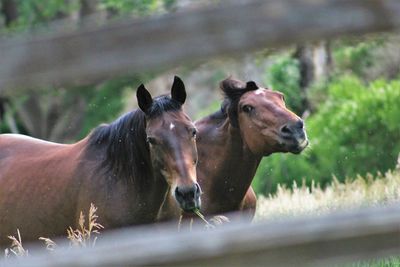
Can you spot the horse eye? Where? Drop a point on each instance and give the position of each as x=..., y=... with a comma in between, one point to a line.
x=247, y=108
x=151, y=140
x=193, y=132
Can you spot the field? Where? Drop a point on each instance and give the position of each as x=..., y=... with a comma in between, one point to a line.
x=359, y=192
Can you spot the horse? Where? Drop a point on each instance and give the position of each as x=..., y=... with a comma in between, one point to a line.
x=253, y=122
x=125, y=168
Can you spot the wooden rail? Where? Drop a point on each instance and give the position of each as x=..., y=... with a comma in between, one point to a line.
x=330, y=239
x=236, y=27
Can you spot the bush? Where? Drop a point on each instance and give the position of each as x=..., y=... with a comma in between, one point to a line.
x=355, y=131
x=284, y=75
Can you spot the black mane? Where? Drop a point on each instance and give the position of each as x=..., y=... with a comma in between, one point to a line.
x=233, y=90
x=122, y=144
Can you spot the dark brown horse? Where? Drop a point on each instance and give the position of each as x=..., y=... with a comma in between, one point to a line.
x=125, y=168
x=253, y=122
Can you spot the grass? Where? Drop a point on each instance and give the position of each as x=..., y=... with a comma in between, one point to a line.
x=16, y=248
x=303, y=200
x=84, y=236
x=362, y=191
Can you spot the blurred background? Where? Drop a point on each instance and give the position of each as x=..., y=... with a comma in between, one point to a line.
x=347, y=90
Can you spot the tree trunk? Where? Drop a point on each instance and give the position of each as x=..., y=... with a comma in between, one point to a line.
x=10, y=11
x=315, y=63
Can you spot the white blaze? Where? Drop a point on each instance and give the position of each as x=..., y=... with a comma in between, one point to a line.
x=171, y=126
x=259, y=91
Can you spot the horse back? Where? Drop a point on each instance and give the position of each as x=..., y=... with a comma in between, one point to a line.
x=37, y=180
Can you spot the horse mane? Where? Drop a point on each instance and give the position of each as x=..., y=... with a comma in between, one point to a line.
x=126, y=153
x=233, y=89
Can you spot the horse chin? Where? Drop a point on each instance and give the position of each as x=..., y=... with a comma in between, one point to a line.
x=298, y=147
x=189, y=206
x=294, y=146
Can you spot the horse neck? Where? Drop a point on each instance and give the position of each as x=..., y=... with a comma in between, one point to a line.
x=229, y=174
x=125, y=200
x=121, y=163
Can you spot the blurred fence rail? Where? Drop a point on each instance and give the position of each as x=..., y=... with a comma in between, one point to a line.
x=95, y=53
x=320, y=241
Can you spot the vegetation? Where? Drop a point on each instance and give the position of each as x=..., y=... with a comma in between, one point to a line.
x=67, y=114
x=314, y=200
x=284, y=76
x=84, y=236
x=354, y=129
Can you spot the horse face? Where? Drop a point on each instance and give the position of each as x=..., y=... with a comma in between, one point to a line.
x=171, y=137
x=172, y=143
x=266, y=124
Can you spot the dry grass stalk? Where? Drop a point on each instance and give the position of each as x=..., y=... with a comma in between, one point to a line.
x=180, y=223
x=84, y=236
x=16, y=248
x=219, y=220
x=50, y=244
x=215, y=221
x=201, y=216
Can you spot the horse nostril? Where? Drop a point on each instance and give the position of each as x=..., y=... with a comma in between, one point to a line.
x=292, y=128
x=178, y=193
x=286, y=130
x=188, y=192
x=299, y=124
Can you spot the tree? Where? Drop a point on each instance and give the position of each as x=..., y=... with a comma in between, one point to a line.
x=65, y=114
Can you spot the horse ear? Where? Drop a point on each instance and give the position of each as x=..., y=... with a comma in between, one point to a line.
x=178, y=91
x=144, y=98
x=251, y=85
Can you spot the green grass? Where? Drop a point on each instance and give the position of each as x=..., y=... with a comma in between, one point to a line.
x=388, y=262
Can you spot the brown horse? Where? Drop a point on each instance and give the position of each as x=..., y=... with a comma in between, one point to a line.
x=125, y=168
x=253, y=122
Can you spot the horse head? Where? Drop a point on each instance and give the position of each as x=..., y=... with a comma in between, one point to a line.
x=265, y=123
x=171, y=139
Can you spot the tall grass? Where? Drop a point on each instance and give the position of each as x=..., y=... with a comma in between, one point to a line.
x=362, y=191
x=83, y=236
x=16, y=248
x=303, y=200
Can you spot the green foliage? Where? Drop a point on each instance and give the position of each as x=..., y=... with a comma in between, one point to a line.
x=137, y=7
x=386, y=262
x=106, y=101
x=356, y=58
x=284, y=76
x=33, y=12
x=103, y=102
x=355, y=131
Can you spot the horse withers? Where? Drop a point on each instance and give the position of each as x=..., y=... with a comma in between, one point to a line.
x=125, y=168
x=253, y=122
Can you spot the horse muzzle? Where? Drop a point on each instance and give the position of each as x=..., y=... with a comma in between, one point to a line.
x=294, y=137
x=188, y=197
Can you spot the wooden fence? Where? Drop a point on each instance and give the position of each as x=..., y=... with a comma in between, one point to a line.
x=232, y=28
x=96, y=53
x=313, y=241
